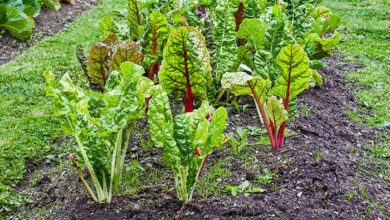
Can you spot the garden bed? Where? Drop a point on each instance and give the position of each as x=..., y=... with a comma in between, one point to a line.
x=321, y=172
x=47, y=24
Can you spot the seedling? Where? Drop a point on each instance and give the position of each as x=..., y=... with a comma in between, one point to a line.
x=243, y=189
x=350, y=194
x=266, y=177
x=241, y=142
x=363, y=191
x=318, y=156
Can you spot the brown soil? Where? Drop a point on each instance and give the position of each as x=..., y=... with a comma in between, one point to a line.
x=305, y=188
x=47, y=24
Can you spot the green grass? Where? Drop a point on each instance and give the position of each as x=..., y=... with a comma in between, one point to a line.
x=28, y=129
x=366, y=28
x=366, y=41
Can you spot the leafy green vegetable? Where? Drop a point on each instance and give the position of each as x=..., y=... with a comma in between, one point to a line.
x=108, y=26
x=135, y=19
x=100, y=124
x=296, y=73
x=16, y=22
x=253, y=30
x=156, y=38
x=187, y=140
x=16, y=16
x=54, y=5
x=105, y=57
x=125, y=51
x=296, y=76
x=186, y=65
x=32, y=8
x=224, y=39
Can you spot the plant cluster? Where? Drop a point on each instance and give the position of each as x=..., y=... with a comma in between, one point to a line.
x=198, y=51
x=17, y=16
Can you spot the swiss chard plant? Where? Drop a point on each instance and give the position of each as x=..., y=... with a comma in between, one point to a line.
x=100, y=124
x=105, y=57
x=313, y=26
x=186, y=140
x=186, y=65
x=295, y=77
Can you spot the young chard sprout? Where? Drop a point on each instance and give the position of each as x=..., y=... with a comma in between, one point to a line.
x=101, y=124
x=273, y=112
x=186, y=140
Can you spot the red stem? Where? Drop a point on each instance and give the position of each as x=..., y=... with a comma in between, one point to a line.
x=151, y=72
x=154, y=50
x=189, y=97
x=271, y=135
x=280, y=138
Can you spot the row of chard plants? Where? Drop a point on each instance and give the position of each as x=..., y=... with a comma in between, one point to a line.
x=158, y=52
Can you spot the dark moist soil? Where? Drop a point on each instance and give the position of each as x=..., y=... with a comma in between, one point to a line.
x=47, y=24
x=304, y=188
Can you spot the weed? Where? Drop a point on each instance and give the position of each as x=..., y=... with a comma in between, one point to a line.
x=350, y=194
x=305, y=110
x=243, y=188
x=210, y=184
x=363, y=191
x=318, y=156
x=266, y=177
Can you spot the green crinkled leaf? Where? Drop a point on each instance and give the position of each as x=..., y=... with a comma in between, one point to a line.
x=113, y=80
x=54, y=5
x=32, y=7
x=217, y=125
x=253, y=30
x=317, y=78
x=183, y=138
x=294, y=63
x=322, y=47
x=125, y=51
x=244, y=56
x=325, y=21
x=108, y=26
x=156, y=36
x=240, y=83
x=253, y=8
x=18, y=4
x=224, y=39
x=321, y=12
x=161, y=126
x=186, y=58
x=135, y=19
x=275, y=112
x=124, y=102
x=186, y=140
x=16, y=22
x=317, y=64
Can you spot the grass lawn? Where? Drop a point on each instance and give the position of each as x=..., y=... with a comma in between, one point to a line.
x=28, y=130
x=366, y=40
